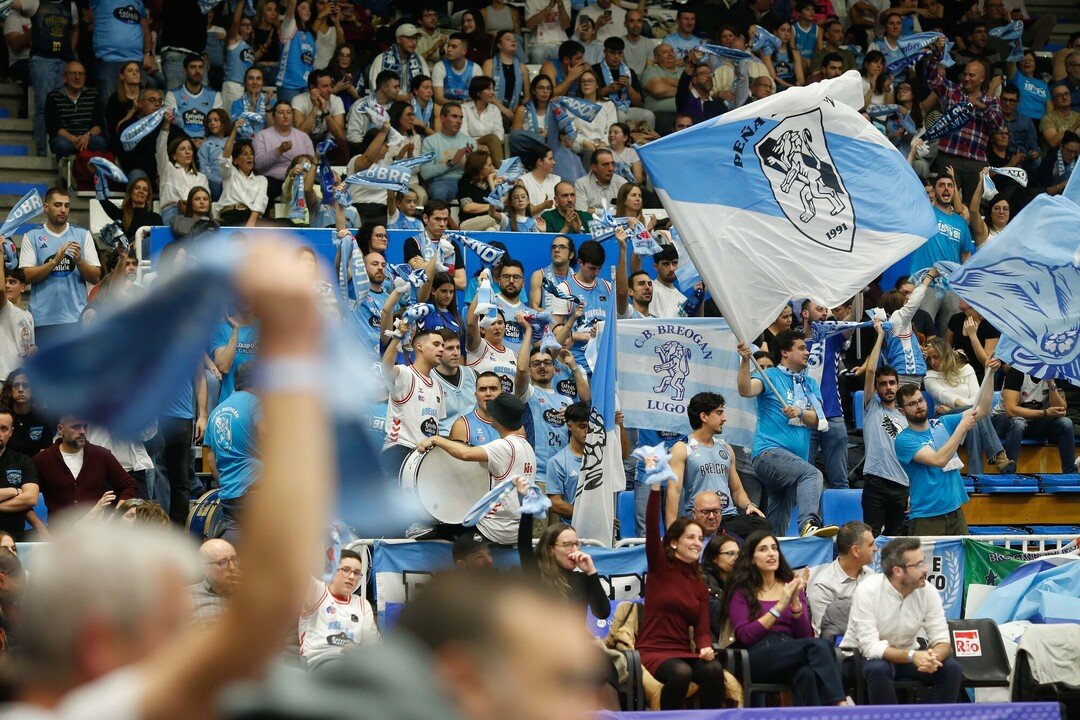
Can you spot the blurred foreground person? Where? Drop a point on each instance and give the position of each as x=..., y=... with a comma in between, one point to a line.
x=107, y=627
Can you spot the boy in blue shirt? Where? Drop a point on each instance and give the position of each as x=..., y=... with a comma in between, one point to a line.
x=927, y=453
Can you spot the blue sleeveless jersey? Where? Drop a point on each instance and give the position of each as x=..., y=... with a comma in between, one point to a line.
x=707, y=468
x=549, y=432
x=192, y=109
x=456, y=85
x=297, y=60
x=479, y=431
x=596, y=300
x=237, y=61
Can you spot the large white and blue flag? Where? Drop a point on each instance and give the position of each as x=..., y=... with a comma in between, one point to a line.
x=664, y=363
x=1026, y=282
x=601, y=474
x=786, y=198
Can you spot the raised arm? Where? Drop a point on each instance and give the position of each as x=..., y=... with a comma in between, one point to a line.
x=870, y=374
x=748, y=386
x=672, y=503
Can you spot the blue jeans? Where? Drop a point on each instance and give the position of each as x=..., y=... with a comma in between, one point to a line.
x=788, y=480
x=107, y=76
x=1015, y=429
x=984, y=439
x=62, y=147
x=46, y=75
x=443, y=188
x=172, y=67
x=833, y=446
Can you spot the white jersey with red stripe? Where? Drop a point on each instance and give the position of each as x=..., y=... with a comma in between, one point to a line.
x=486, y=357
x=329, y=624
x=414, y=410
x=511, y=456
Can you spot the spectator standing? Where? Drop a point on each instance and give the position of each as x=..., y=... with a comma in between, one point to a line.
x=177, y=173
x=1031, y=408
x=54, y=35
x=121, y=34
x=839, y=579
x=218, y=128
x=328, y=32
x=952, y=243
x=239, y=57
x=277, y=146
x=18, y=481
x=889, y=613
x=333, y=618
x=33, y=430
x=832, y=37
x=58, y=259
x=75, y=473
x=1034, y=93
x=563, y=255
x=587, y=285
x=767, y=605
x=486, y=348
x=416, y=401
x=781, y=450
x=297, y=49
x=548, y=21
x=192, y=102
x=457, y=382
x=18, y=36
x=221, y=577
x=401, y=59
x=72, y=118
x=419, y=249
x=16, y=333
x=475, y=427
x=232, y=444
x=563, y=468
x=183, y=33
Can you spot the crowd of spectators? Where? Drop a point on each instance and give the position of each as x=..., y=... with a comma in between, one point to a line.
x=249, y=95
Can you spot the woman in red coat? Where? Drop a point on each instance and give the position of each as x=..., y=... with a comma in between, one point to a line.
x=676, y=600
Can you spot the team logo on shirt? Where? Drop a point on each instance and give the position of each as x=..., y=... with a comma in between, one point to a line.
x=194, y=117
x=247, y=55
x=128, y=14
x=223, y=426
x=566, y=388
x=35, y=433
x=808, y=188
x=14, y=477
x=429, y=427
x=554, y=417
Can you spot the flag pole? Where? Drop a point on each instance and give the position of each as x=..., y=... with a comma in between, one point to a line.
x=758, y=368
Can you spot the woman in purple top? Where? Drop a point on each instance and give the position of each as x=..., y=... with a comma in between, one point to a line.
x=771, y=618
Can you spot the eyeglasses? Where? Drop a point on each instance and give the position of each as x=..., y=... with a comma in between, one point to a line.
x=915, y=403
x=921, y=563
x=541, y=363
x=709, y=512
x=570, y=545
x=350, y=573
x=1062, y=95
x=511, y=278
x=223, y=563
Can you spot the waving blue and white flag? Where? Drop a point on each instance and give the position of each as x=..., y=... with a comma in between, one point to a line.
x=957, y=117
x=918, y=42
x=1013, y=33
x=664, y=363
x=765, y=41
x=139, y=129
x=387, y=177
x=584, y=109
x=509, y=170
x=28, y=208
x=488, y=254
x=885, y=112
x=601, y=474
x=1018, y=174
x=716, y=54
x=788, y=191
x=414, y=161
x=687, y=273
x=1026, y=282
x=824, y=329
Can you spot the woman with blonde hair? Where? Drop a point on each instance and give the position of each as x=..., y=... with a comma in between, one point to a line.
x=953, y=387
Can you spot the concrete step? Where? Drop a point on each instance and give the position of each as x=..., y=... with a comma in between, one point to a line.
x=10, y=89
x=14, y=124
x=20, y=163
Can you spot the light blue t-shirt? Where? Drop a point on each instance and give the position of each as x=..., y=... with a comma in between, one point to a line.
x=773, y=430
x=231, y=434
x=238, y=59
x=182, y=405
x=953, y=238
x=1034, y=94
x=546, y=428
x=118, y=33
x=208, y=155
x=247, y=347
x=192, y=109
x=681, y=45
x=457, y=399
x=61, y=297
x=562, y=474
x=933, y=491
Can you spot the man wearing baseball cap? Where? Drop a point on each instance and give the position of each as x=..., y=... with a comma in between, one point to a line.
x=401, y=58
x=472, y=551
x=509, y=456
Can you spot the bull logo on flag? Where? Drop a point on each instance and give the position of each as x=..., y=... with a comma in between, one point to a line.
x=795, y=158
x=675, y=365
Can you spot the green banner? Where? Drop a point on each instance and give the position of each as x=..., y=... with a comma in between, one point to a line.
x=988, y=564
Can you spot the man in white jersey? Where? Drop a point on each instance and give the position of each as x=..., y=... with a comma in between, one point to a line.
x=487, y=349
x=705, y=462
x=457, y=381
x=333, y=619
x=509, y=456
x=563, y=254
x=58, y=259
x=416, y=400
x=475, y=427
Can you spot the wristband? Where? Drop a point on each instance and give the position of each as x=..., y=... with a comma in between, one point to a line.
x=290, y=373
x=774, y=612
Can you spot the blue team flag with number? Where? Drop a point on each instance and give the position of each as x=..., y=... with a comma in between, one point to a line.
x=601, y=474
x=788, y=190
x=1026, y=282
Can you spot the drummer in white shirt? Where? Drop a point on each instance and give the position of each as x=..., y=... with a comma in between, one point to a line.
x=509, y=456
x=416, y=400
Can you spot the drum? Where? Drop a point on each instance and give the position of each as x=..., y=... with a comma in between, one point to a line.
x=204, y=516
x=447, y=487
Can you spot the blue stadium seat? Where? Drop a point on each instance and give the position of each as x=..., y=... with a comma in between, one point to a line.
x=624, y=510
x=839, y=506
x=996, y=530
x=857, y=408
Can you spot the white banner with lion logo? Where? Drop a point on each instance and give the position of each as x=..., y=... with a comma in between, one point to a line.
x=664, y=363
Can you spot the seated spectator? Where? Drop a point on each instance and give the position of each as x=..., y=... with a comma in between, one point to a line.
x=218, y=128
x=403, y=119
x=277, y=146
x=1061, y=118
x=855, y=551
x=1056, y=168
x=716, y=563
x=767, y=605
x=623, y=89
x=474, y=28
x=401, y=59
x=599, y=188
x=888, y=614
x=194, y=214
x=972, y=334
x=1067, y=68
x=244, y=196
x=142, y=512
x=1022, y=135
x=427, y=118
x=586, y=37
x=760, y=88
x=117, y=287
x=120, y=105
x=451, y=76
x=254, y=100
x=514, y=216
x=548, y=20
x=531, y=116
x=683, y=39
x=71, y=115
x=953, y=386
x=141, y=160
x=343, y=70
x=387, y=89
x=135, y=210
x=877, y=84
x=177, y=172
x=540, y=181
x=192, y=101
x=627, y=162
x=786, y=64
x=76, y=474
x=221, y=576
x=564, y=217
x=660, y=81
x=561, y=477
x=481, y=119
x=18, y=482
x=832, y=38
x=319, y=112
x=593, y=134
x=403, y=212
x=471, y=552
x=1035, y=409
x=451, y=147
x=333, y=619
x=628, y=204
x=566, y=68
x=476, y=183
x=678, y=600
x=34, y=428
x=695, y=95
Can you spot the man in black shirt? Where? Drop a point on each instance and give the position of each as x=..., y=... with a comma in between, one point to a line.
x=971, y=332
x=1033, y=408
x=140, y=161
x=18, y=482
x=33, y=432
